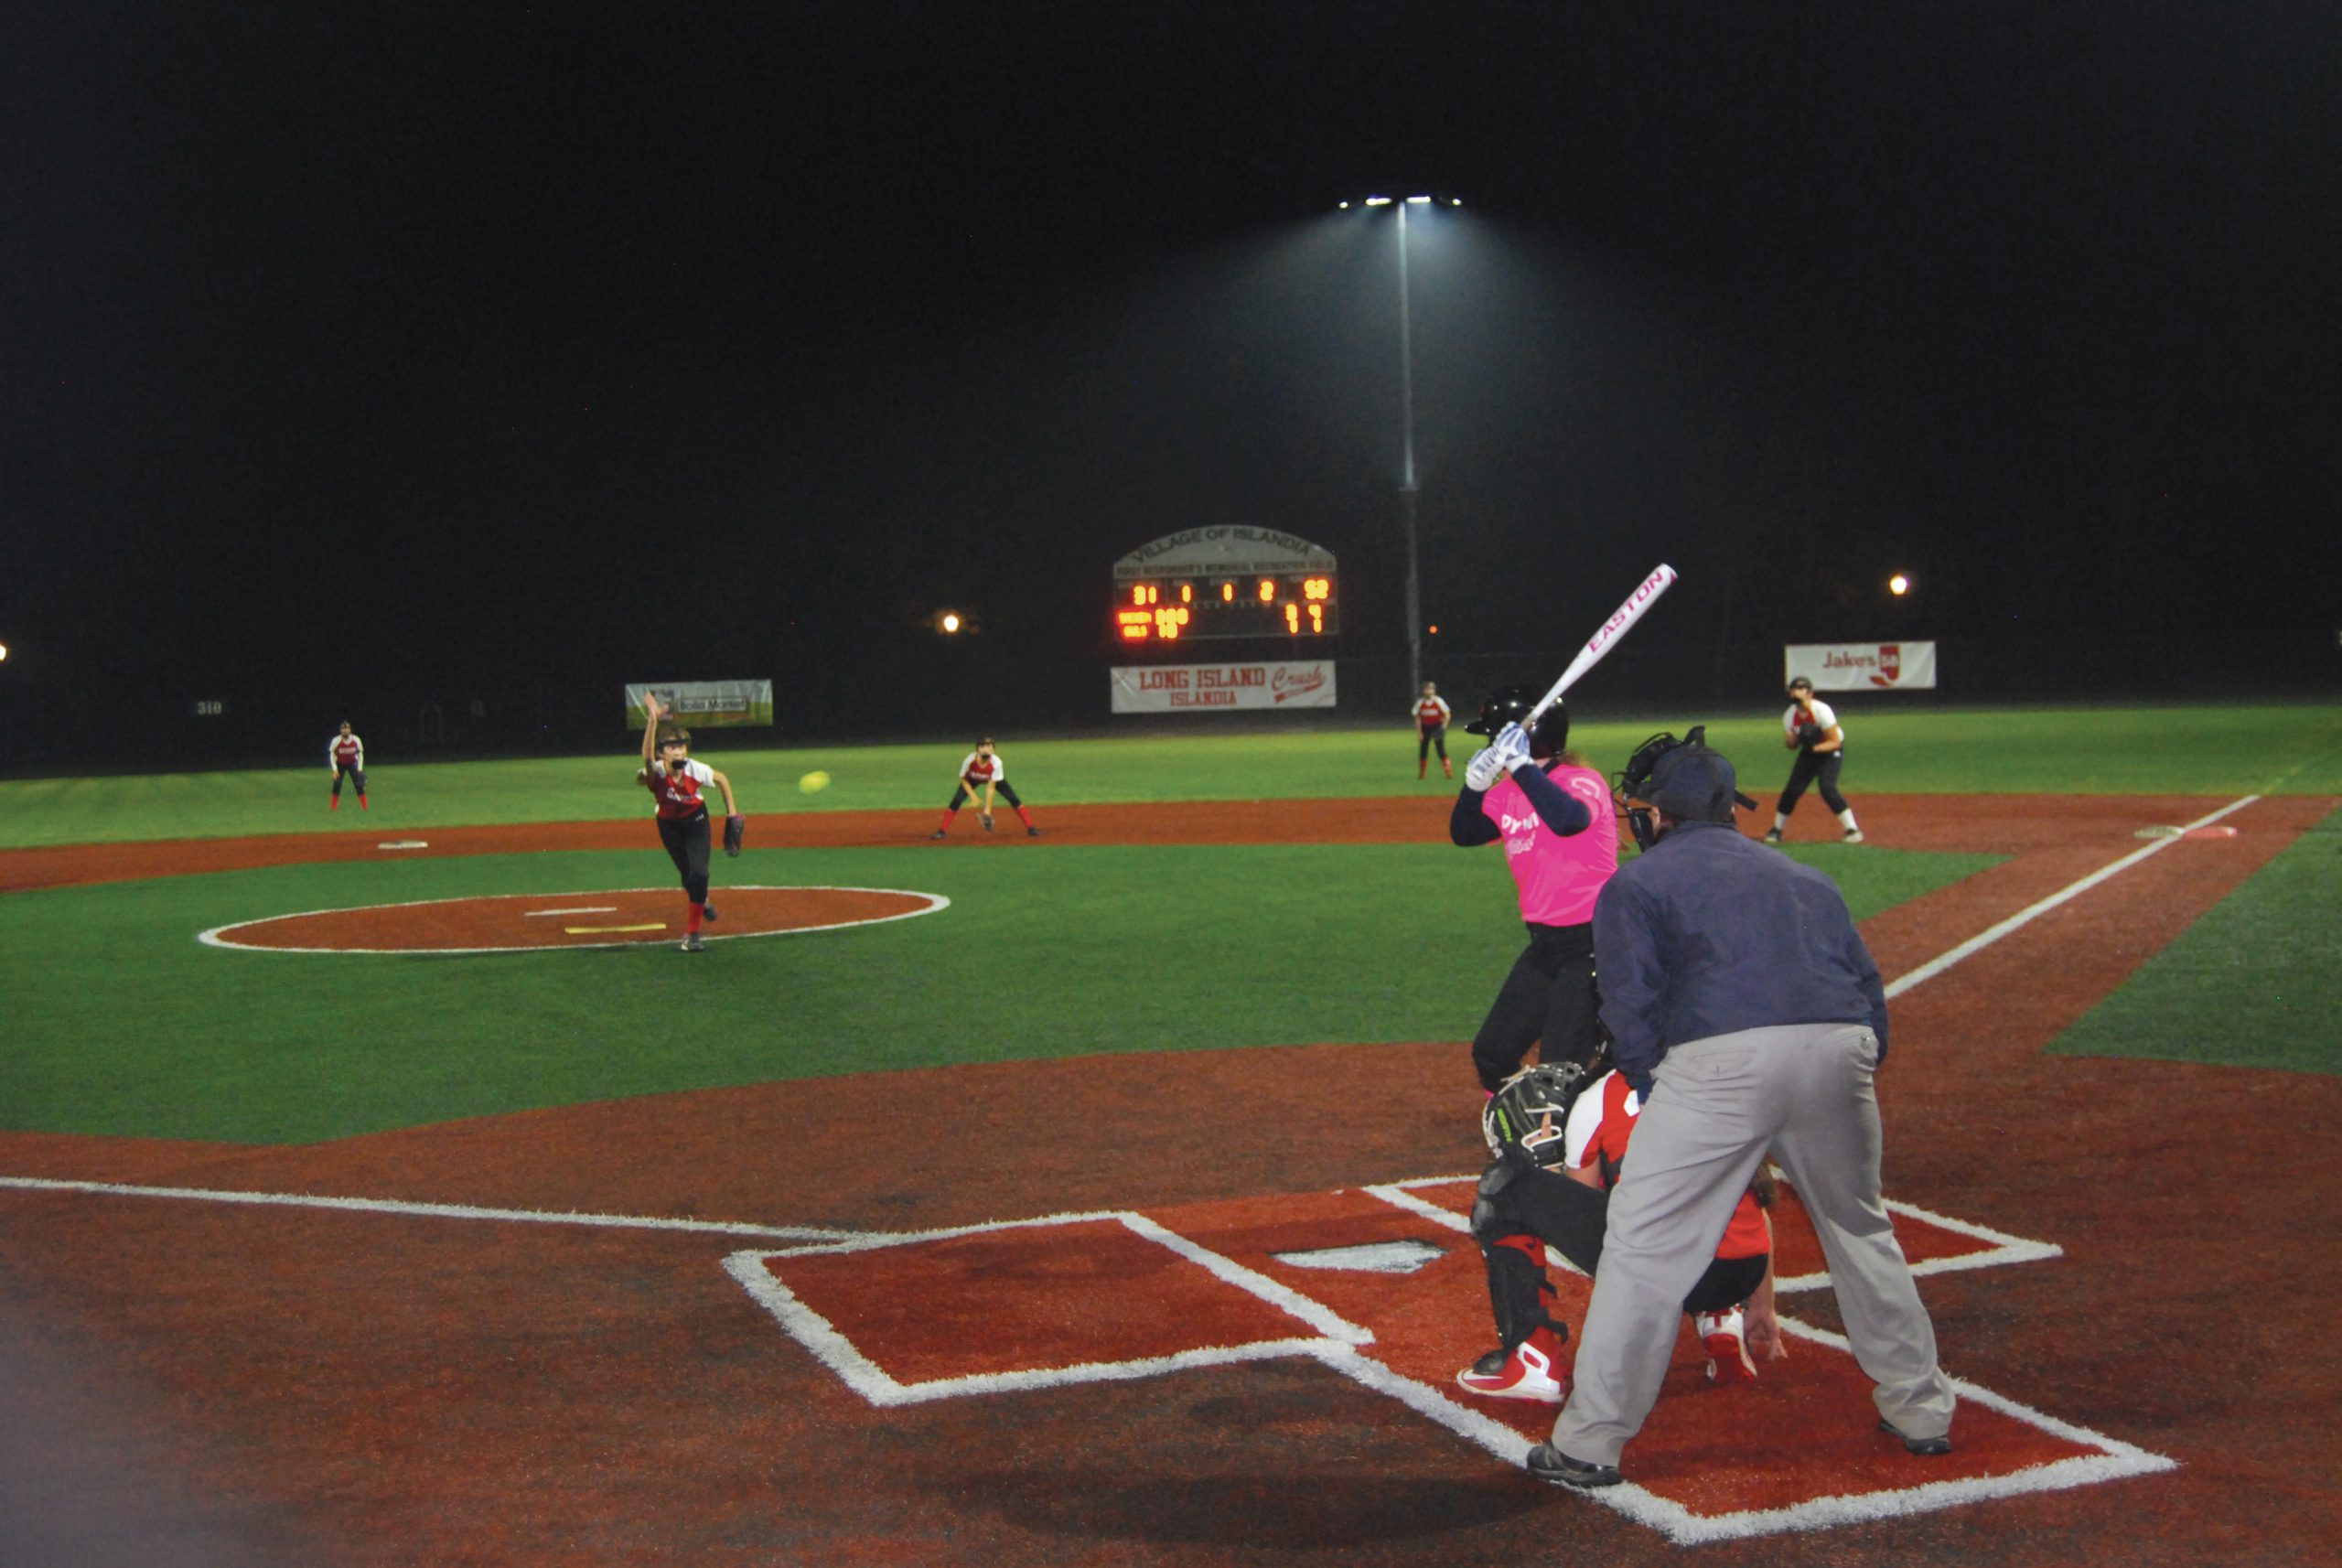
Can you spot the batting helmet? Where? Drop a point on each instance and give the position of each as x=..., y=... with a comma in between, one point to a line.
x=1531, y=1111
x=1510, y=706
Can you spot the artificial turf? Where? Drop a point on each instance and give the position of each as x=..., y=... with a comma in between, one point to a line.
x=2212, y=750
x=136, y=1028
x=2253, y=984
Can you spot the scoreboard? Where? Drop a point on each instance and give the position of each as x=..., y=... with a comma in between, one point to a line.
x=1226, y=581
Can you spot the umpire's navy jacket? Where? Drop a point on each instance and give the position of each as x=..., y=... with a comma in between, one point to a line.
x=1709, y=933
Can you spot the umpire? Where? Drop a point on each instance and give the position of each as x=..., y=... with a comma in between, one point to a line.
x=1750, y=1017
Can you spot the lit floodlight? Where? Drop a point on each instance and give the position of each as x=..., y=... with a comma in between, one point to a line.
x=1898, y=584
x=1454, y=202
x=1418, y=201
x=1378, y=201
x=949, y=621
x=1343, y=205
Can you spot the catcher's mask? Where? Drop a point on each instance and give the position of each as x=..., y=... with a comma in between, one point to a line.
x=1531, y=1111
x=1510, y=706
x=1686, y=778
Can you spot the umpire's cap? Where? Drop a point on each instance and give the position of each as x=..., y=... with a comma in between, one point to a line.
x=1694, y=782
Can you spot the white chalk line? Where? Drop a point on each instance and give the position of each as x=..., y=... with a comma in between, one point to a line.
x=1337, y=1343
x=429, y=1210
x=217, y=936
x=2032, y=912
x=591, y=910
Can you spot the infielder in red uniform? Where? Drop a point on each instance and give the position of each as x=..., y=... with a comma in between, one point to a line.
x=1553, y=1188
x=1431, y=713
x=983, y=769
x=347, y=754
x=675, y=782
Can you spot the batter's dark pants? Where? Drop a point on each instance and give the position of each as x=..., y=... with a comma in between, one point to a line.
x=357, y=777
x=1819, y=768
x=1548, y=997
x=1540, y=1207
x=686, y=842
x=962, y=794
x=1432, y=734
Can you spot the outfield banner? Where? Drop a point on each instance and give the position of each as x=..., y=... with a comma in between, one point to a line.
x=1200, y=688
x=1861, y=666
x=704, y=704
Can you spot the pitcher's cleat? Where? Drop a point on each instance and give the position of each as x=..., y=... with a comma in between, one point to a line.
x=693, y=943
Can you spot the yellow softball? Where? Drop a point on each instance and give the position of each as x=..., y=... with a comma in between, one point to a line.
x=813, y=783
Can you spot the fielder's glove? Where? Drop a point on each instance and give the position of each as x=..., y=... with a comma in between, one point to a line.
x=1482, y=772
x=736, y=833
x=1809, y=736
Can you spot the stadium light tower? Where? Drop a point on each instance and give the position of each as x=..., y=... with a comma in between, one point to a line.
x=1407, y=430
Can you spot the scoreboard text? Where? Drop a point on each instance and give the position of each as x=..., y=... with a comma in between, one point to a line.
x=1174, y=609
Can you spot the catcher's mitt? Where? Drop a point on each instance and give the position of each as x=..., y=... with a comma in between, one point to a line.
x=736, y=833
x=1530, y=1113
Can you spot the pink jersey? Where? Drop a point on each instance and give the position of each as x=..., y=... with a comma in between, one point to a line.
x=1560, y=877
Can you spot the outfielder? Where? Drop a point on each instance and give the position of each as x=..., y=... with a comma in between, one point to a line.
x=1746, y=1011
x=346, y=754
x=1552, y=814
x=1811, y=729
x=1558, y=1137
x=983, y=769
x=1431, y=713
x=675, y=782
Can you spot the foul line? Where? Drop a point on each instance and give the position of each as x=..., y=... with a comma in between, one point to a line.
x=2024, y=916
x=433, y=1210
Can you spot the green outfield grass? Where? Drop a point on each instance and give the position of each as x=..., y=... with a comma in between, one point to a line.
x=2253, y=984
x=2206, y=750
x=134, y=1027
x=120, y=1022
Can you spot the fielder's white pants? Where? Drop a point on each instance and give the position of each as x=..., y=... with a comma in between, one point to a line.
x=1804, y=1093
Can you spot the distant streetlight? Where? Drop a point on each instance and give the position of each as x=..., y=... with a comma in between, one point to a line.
x=1407, y=435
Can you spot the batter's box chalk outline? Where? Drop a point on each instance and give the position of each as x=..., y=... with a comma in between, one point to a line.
x=753, y=1271
x=1340, y=1348
x=2002, y=1248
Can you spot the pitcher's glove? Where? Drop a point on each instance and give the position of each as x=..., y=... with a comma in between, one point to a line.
x=1809, y=736
x=735, y=832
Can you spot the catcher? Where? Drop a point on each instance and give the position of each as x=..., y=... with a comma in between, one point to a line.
x=1558, y=1135
x=675, y=782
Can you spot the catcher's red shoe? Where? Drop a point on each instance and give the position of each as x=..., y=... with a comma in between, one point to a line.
x=1531, y=1372
x=1722, y=1335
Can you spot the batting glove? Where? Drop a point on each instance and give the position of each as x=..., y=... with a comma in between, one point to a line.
x=1483, y=771
x=1511, y=746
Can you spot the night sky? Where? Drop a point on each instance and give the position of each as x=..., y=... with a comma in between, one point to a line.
x=348, y=352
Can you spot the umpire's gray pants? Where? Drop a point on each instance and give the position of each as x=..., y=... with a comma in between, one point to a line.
x=1804, y=1093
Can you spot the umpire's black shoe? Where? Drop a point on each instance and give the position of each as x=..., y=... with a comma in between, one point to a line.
x=1548, y=1463
x=1925, y=1447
